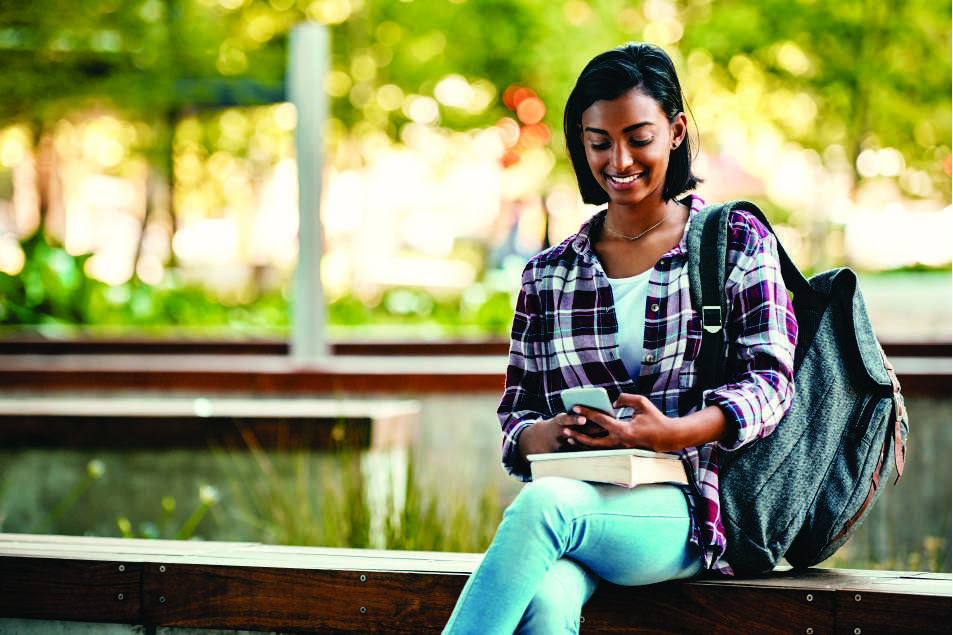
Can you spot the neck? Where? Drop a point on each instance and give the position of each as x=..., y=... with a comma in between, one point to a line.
x=633, y=220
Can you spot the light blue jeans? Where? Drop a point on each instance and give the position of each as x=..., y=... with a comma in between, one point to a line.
x=558, y=538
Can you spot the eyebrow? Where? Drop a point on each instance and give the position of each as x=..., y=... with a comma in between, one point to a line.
x=625, y=130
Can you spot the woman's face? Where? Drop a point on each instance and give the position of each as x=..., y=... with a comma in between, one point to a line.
x=628, y=141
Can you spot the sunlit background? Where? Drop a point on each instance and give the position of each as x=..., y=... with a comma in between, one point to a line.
x=149, y=146
x=149, y=188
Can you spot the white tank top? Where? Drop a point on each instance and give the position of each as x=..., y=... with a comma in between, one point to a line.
x=630, y=295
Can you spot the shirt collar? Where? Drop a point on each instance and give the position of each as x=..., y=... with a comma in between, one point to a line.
x=582, y=243
x=696, y=204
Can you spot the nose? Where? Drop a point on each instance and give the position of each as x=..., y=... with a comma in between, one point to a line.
x=621, y=158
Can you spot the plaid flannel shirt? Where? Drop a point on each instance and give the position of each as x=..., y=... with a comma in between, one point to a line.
x=564, y=335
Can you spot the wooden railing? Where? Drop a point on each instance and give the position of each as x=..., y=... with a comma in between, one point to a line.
x=264, y=367
x=219, y=585
x=273, y=346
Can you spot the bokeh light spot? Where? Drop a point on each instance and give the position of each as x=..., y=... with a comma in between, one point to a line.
x=337, y=83
x=423, y=110
x=286, y=116
x=390, y=97
x=577, y=12
x=509, y=131
x=454, y=91
x=531, y=110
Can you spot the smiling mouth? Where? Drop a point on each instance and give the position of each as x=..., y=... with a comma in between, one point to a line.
x=623, y=180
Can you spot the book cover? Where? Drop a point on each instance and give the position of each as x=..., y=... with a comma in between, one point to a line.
x=627, y=467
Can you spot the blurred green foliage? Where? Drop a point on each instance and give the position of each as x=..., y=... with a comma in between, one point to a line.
x=192, y=85
x=53, y=290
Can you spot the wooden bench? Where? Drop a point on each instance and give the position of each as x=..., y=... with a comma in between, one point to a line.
x=33, y=345
x=251, y=586
x=125, y=421
x=352, y=374
x=253, y=374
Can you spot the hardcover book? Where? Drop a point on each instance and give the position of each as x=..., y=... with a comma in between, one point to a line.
x=627, y=467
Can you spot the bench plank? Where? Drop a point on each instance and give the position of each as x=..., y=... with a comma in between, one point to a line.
x=251, y=374
x=75, y=590
x=686, y=608
x=246, y=598
x=887, y=613
x=249, y=586
x=32, y=345
x=270, y=374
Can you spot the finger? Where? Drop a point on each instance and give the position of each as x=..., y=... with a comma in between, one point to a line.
x=591, y=443
x=606, y=423
x=636, y=402
x=589, y=413
x=594, y=415
x=571, y=419
x=591, y=429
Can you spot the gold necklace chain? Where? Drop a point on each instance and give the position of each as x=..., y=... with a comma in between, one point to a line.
x=634, y=238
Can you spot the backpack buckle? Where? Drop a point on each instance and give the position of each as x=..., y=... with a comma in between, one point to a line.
x=711, y=318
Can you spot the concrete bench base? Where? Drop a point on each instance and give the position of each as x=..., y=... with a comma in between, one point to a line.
x=255, y=587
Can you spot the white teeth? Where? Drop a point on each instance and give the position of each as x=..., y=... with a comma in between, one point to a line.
x=624, y=179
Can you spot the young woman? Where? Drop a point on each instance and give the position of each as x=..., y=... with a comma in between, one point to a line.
x=611, y=307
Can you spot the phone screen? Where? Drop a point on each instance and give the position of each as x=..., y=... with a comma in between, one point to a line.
x=589, y=396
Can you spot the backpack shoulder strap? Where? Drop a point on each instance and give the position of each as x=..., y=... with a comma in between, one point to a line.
x=707, y=271
x=707, y=256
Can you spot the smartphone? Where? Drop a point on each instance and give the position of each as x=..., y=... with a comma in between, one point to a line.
x=591, y=397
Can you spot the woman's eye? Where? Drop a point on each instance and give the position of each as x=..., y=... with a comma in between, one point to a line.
x=640, y=142
x=600, y=146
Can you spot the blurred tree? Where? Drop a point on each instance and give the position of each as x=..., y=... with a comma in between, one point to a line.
x=876, y=71
x=863, y=74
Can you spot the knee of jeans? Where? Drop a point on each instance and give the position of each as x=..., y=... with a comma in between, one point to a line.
x=541, y=499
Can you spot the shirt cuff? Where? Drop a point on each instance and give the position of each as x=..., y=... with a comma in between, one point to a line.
x=735, y=418
x=514, y=463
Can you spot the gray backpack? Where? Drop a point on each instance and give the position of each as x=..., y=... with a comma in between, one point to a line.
x=800, y=492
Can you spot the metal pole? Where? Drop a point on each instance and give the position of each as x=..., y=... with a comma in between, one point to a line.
x=307, y=66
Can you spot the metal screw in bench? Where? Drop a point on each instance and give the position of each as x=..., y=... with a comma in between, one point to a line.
x=363, y=610
x=857, y=598
x=857, y=631
x=161, y=599
x=119, y=597
x=810, y=631
x=122, y=568
x=161, y=568
x=363, y=578
x=810, y=597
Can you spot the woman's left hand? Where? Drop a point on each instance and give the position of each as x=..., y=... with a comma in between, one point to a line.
x=649, y=428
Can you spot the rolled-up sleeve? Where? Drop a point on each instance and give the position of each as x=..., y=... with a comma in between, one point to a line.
x=523, y=402
x=762, y=334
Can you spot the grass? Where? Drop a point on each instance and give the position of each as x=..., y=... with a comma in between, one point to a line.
x=355, y=500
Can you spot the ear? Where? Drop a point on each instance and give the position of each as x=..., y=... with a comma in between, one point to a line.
x=679, y=129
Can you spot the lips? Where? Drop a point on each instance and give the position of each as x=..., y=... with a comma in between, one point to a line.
x=623, y=180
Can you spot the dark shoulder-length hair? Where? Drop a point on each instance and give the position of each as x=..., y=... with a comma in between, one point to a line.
x=607, y=77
